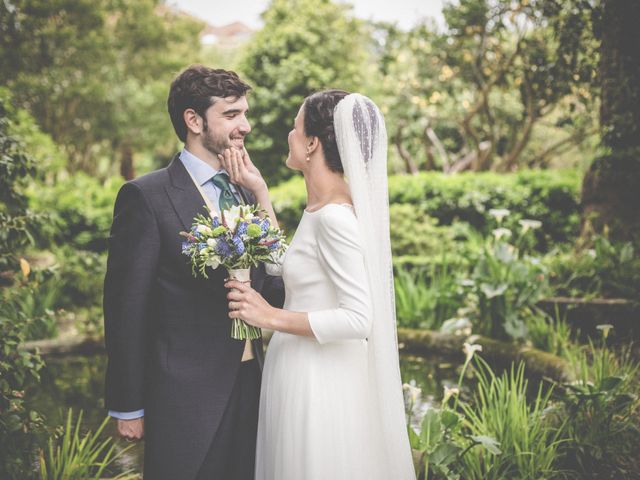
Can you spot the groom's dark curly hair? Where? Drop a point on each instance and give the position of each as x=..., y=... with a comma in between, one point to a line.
x=318, y=122
x=195, y=88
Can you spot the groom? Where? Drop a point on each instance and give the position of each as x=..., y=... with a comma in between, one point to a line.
x=175, y=376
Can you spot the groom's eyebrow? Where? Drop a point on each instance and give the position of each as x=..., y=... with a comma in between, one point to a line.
x=233, y=111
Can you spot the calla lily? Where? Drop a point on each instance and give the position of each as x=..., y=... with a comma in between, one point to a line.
x=469, y=350
x=499, y=213
x=498, y=233
x=529, y=225
x=412, y=391
x=605, y=328
x=448, y=393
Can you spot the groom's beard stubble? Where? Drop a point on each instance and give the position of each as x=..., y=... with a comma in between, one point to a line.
x=217, y=144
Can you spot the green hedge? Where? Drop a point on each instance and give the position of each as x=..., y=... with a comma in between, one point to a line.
x=550, y=196
x=81, y=207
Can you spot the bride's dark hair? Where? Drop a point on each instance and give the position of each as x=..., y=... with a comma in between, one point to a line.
x=318, y=122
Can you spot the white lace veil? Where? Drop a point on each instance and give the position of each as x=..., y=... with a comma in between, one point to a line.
x=362, y=143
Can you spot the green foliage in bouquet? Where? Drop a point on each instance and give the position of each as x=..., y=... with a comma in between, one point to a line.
x=239, y=238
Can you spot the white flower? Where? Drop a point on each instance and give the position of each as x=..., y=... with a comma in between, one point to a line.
x=412, y=392
x=529, y=225
x=470, y=349
x=449, y=392
x=203, y=229
x=213, y=261
x=498, y=233
x=211, y=242
x=499, y=213
x=232, y=215
x=605, y=327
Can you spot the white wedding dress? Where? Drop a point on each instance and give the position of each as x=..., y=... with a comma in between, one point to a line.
x=331, y=407
x=314, y=421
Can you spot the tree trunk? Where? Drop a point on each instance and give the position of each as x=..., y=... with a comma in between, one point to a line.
x=610, y=189
x=127, y=169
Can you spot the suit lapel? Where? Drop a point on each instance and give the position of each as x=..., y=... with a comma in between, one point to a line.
x=183, y=194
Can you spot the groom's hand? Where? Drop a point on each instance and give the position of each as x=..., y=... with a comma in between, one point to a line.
x=241, y=170
x=131, y=430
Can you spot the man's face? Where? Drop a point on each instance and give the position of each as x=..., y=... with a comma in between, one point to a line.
x=227, y=124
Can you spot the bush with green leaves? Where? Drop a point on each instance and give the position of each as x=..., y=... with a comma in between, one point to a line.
x=425, y=298
x=19, y=369
x=502, y=409
x=467, y=198
x=76, y=455
x=83, y=211
x=505, y=283
x=607, y=269
x=601, y=437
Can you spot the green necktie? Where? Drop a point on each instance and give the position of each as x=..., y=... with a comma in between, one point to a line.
x=227, y=198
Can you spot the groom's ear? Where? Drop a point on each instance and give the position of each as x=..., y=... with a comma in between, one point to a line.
x=193, y=121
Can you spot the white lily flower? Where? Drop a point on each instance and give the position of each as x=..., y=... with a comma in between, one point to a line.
x=499, y=213
x=203, y=229
x=529, y=225
x=232, y=216
x=605, y=327
x=498, y=233
x=213, y=261
x=448, y=393
x=469, y=350
x=412, y=391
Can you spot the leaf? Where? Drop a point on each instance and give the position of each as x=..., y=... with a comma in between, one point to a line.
x=414, y=440
x=449, y=419
x=444, y=454
x=490, y=443
x=626, y=253
x=610, y=383
x=431, y=429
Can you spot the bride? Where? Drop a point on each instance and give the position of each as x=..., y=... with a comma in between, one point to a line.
x=331, y=402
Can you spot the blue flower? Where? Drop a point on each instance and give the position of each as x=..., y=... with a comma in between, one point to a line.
x=223, y=248
x=237, y=243
x=201, y=246
x=274, y=246
x=185, y=248
x=256, y=220
x=216, y=222
x=265, y=226
x=242, y=228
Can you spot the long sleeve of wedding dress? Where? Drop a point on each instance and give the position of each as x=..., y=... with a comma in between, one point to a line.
x=340, y=255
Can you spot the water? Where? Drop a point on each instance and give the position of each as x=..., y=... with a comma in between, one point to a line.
x=78, y=382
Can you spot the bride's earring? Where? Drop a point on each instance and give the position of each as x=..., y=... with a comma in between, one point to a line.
x=308, y=159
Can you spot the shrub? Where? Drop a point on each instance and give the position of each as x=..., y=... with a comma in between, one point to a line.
x=551, y=196
x=81, y=208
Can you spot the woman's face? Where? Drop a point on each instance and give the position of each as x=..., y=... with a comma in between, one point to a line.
x=297, y=143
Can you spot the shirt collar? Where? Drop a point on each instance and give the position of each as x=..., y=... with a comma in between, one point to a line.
x=199, y=169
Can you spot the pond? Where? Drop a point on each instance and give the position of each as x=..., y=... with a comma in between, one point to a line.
x=78, y=381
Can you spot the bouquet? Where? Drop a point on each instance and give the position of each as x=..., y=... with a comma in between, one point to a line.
x=240, y=238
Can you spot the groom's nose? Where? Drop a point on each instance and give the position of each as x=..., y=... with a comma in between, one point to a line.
x=244, y=127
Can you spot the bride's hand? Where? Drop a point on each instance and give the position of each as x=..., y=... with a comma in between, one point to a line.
x=249, y=305
x=241, y=170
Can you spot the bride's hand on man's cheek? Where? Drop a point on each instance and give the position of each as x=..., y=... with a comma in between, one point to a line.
x=247, y=304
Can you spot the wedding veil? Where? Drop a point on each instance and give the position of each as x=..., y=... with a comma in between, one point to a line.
x=362, y=143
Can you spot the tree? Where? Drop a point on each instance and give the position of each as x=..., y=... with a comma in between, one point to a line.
x=95, y=73
x=305, y=45
x=610, y=193
x=472, y=97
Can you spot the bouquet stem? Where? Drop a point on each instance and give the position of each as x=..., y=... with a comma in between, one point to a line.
x=239, y=329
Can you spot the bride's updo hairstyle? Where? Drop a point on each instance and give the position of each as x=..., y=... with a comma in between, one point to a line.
x=318, y=122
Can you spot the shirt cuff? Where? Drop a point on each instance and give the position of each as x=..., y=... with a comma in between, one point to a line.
x=126, y=415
